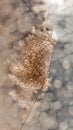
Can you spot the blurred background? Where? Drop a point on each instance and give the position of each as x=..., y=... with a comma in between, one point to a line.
x=54, y=111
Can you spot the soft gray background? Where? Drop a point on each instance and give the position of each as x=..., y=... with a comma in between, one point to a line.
x=54, y=111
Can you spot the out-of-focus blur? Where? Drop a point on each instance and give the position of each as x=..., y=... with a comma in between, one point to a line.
x=54, y=108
